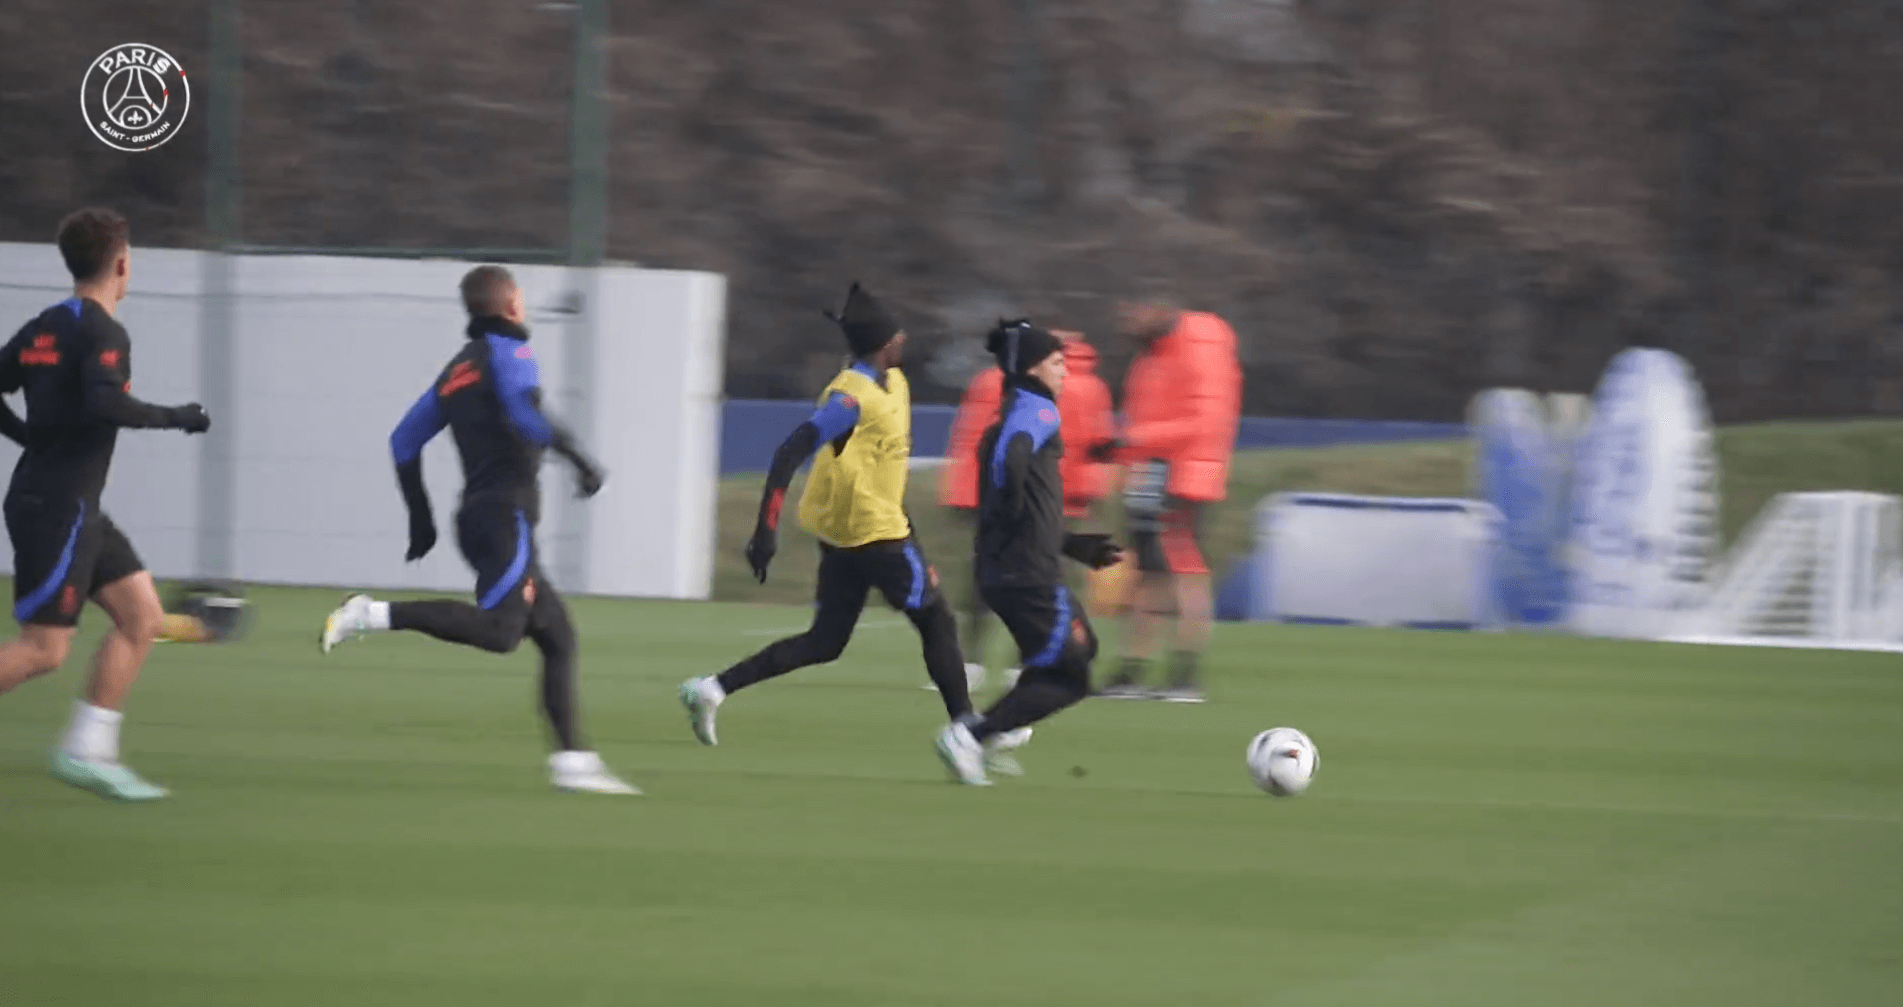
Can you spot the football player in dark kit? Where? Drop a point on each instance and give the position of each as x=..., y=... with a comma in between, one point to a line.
x=74, y=364
x=1018, y=559
x=489, y=396
x=860, y=440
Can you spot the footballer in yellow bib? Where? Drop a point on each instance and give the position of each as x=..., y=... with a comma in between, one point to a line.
x=856, y=492
x=854, y=503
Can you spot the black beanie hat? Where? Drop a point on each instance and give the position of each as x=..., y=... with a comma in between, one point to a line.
x=1020, y=346
x=865, y=322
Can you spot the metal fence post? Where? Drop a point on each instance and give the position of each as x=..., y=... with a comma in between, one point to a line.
x=587, y=246
x=217, y=342
x=1027, y=183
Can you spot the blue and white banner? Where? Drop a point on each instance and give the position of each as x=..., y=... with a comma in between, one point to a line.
x=1645, y=500
x=1520, y=469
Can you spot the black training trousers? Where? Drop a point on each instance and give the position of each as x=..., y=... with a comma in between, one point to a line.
x=897, y=568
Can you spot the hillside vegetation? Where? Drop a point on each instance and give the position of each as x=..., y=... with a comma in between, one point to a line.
x=1397, y=202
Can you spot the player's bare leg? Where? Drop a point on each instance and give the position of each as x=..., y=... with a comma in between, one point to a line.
x=1151, y=604
x=38, y=650
x=1195, y=618
x=137, y=618
x=1195, y=611
x=88, y=756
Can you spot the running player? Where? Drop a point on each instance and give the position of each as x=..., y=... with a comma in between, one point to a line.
x=489, y=396
x=854, y=503
x=1019, y=557
x=74, y=362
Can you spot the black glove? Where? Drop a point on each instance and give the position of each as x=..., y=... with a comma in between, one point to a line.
x=1094, y=551
x=1103, y=451
x=192, y=419
x=760, y=549
x=422, y=536
x=588, y=480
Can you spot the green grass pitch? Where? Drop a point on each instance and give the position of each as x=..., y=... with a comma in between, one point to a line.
x=1499, y=820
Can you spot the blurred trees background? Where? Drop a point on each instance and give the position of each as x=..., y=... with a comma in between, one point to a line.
x=1396, y=203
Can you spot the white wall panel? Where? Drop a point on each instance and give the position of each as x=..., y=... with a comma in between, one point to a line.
x=332, y=351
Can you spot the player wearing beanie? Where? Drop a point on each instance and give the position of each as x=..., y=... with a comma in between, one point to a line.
x=1019, y=556
x=854, y=503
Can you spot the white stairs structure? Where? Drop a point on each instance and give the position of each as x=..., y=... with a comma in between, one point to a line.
x=1812, y=570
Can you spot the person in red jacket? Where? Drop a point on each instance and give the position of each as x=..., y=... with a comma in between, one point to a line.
x=1085, y=410
x=1182, y=399
x=958, y=490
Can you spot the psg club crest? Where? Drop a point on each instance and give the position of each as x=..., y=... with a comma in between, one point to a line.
x=134, y=97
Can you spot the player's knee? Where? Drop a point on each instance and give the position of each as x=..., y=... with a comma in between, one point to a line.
x=825, y=647
x=1073, y=672
x=44, y=652
x=509, y=637
x=142, y=624
x=1081, y=646
x=40, y=650
x=502, y=631
x=1075, y=687
x=1069, y=678
x=1078, y=657
x=935, y=618
x=554, y=641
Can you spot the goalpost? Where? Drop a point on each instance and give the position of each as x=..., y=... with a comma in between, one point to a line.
x=1812, y=570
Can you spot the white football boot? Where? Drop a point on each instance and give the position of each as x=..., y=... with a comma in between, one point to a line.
x=107, y=779
x=702, y=697
x=584, y=773
x=962, y=755
x=350, y=620
x=998, y=757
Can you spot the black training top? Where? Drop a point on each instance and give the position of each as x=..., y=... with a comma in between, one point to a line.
x=489, y=396
x=1021, y=492
x=74, y=363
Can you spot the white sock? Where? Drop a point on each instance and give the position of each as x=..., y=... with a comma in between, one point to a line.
x=580, y=761
x=716, y=694
x=379, y=615
x=93, y=735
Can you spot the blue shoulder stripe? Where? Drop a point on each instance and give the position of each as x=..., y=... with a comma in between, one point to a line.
x=1029, y=413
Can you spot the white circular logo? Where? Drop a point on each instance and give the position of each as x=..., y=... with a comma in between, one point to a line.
x=134, y=97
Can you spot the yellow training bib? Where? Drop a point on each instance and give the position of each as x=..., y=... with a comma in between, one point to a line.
x=856, y=494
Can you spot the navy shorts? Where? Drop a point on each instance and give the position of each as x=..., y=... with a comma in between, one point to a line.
x=1045, y=622
x=63, y=551
x=897, y=569
x=497, y=540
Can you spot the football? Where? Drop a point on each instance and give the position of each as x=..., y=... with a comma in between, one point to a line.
x=1283, y=760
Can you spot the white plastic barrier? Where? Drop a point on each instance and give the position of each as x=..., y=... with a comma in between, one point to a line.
x=1645, y=500
x=1382, y=561
x=330, y=352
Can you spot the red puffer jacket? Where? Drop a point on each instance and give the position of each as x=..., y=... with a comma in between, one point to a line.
x=958, y=483
x=1181, y=402
x=1087, y=419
